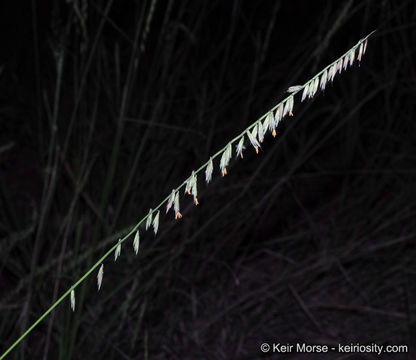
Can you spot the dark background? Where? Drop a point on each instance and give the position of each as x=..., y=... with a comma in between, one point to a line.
x=105, y=106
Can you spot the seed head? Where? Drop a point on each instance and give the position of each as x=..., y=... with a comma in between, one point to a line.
x=156, y=222
x=136, y=242
x=149, y=219
x=118, y=250
x=73, y=300
x=208, y=171
x=100, y=276
x=240, y=147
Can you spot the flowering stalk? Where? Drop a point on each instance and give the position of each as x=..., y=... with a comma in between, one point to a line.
x=255, y=133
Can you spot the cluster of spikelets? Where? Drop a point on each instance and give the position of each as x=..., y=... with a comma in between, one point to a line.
x=255, y=134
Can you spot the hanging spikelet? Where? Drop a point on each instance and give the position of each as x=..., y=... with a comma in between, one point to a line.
x=253, y=140
x=240, y=147
x=323, y=80
x=305, y=91
x=315, y=86
x=149, y=219
x=273, y=123
x=339, y=66
x=188, y=186
x=156, y=222
x=178, y=214
x=118, y=250
x=73, y=300
x=267, y=121
x=352, y=56
x=288, y=107
x=100, y=276
x=225, y=159
x=136, y=242
x=170, y=200
x=208, y=171
x=360, y=52
x=278, y=115
x=260, y=131
x=194, y=190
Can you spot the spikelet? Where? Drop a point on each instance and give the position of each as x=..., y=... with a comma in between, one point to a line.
x=260, y=131
x=339, y=66
x=273, y=124
x=208, y=171
x=288, y=106
x=332, y=73
x=194, y=190
x=73, y=300
x=118, y=250
x=345, y=62
x=323, y=80
x=253, y=140
x=225, y=159
x=267, y=121
x=100, y=276
x=178, y=214
x=149, y=219
x=240, y=147
x=170, y=200
x=188, y=186
x=352, y=56
x=305, y=91
x=294, y=88
x=136, y=242
x=156, y=222
x=365, y=46
x=278, y=115
x=315, y=86
x=360, y=52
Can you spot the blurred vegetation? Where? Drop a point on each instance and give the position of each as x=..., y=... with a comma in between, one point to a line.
x=106, y=106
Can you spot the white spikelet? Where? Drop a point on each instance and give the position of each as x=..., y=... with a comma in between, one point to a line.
x=240, y=147
x=194, y=190
x=136, y=242
x=305, y=92
x=339, y=66
x=294, y=88
x=170, y=200
x=352, y=56
x=278, y=114
x=315, y=85
x=323, y=80
x=178, y=214
x=225, y=159
x=100, y=276
x=360, y=52
x=208, y=171
x=260, y=131
x=253, y=140
x=345, y=62
x=149, y=219
x=267, y=121
x=156, y=222
x=73, y=300
x=118, y=250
